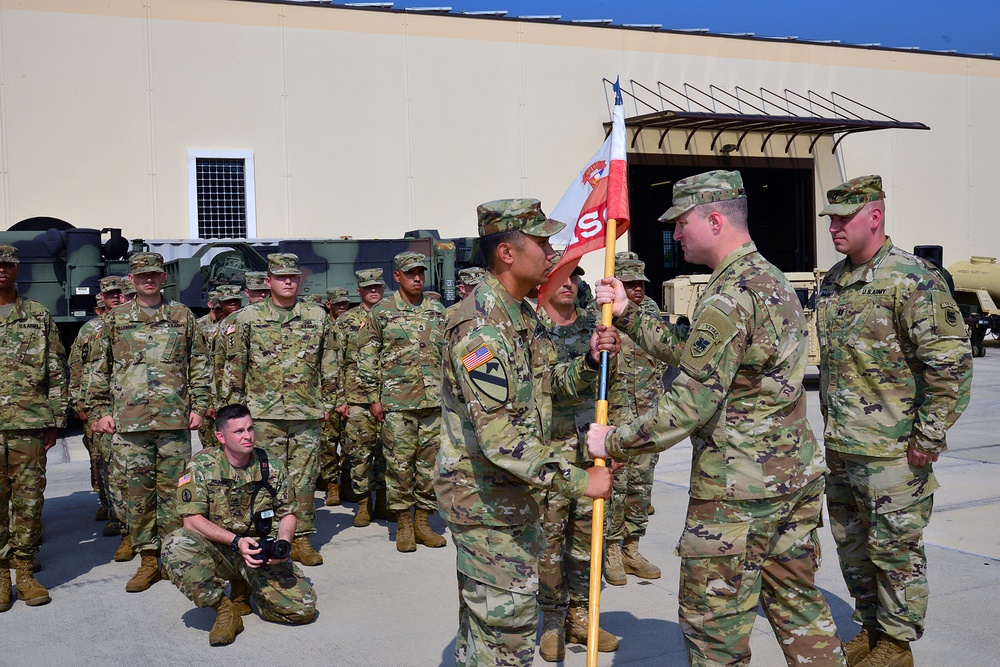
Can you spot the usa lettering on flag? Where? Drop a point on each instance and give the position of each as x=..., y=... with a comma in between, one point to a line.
x=477, y=358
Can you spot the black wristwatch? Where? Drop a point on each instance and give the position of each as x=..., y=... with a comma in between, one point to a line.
x=235, y=544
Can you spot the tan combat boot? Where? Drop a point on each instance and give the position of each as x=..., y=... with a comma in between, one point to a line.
x=576, y=630
x=28, y=588
x=552, y=646
x=405, y=540
x=147, y=574
x=889, y=652
x=227, y=624
x=858, y=648
x=303, y=552
x=634, y=563
x=332, y=494
x=363, y=516
x=423, y=533
x=124, y=553
x=614, y=571
x=6, y=599
x=239, y=595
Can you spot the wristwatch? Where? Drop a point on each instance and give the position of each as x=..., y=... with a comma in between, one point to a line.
x=235, y=544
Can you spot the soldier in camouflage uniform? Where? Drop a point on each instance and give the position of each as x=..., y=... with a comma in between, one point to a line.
x=281, y=363
x=221, y=498
x=256, y=290
x=757, y=470
x=32, y=410
x=635, y=391
x=330, y=459
x=564, y=567
x=256, y=286
x=496, y=462
x=228, y=300
x=148, y=389
x=399, y=371
x=362, y=444
x=468, y=279
x=895, y=374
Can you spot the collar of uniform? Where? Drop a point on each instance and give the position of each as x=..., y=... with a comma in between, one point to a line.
x=17, y=312
x=272, y=310
x=249, y=474
x=403, y=304
x=864, y=273
x=742, y=251
x=135, y=313
x=548, y=322
x=511, y=306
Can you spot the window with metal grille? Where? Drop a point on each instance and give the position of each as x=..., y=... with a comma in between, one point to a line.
x=220, y=186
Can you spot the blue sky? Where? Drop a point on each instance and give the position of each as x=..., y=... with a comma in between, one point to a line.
x=967, y=26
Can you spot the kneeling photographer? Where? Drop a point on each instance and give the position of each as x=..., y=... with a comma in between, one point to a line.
x=231, y=498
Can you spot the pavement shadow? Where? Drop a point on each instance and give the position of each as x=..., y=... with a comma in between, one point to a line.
x=72, y=542
x=330, y=523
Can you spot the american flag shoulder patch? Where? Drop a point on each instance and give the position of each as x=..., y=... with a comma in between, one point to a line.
x=231, y=329
x=477, y=358
x=184, y=480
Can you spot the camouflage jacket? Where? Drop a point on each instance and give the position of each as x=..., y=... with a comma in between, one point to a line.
x=348, y=335
x=639, y=383
x=399, y=362
x=499, y=374
x=739, y=392
x=80, y=359
x=280, y=365
x=150, y=371
x=207, y=329
x=895, y=360
x=32, y=364
x=213, y=488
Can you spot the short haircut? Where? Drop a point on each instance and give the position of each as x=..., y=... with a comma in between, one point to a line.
x=488, y=244
x=228, y=413
x=736, y=210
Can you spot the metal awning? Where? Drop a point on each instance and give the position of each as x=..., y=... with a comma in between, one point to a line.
x=766, y=113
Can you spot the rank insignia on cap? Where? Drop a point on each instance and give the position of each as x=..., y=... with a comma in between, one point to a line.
x=186, y=479
x=477, y=358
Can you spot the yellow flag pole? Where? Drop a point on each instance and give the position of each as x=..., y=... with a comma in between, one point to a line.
x=597, y=532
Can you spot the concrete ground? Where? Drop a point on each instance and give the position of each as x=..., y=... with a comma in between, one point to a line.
x=379, y=607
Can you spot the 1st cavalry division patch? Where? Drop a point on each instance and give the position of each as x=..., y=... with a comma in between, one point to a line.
x=488, y=377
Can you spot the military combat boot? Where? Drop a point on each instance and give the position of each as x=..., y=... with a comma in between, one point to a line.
x=303, y=552
x=635, y=563
x=858, y=648
x=576, y=630
x=614, y=572
x=227, y=624
x=113, y=527
x=363, y=516
x=405, y=541
x=147, y=574
x=6, y=599
x=239, y=595
x=889, y=652
x=332, y=494
x=101, y=514
x=423, y=533
x=28, y=588
x=124, y=553
x=382, y=510
x=552, y=646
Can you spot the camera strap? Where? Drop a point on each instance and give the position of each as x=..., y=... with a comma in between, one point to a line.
x=265, y=472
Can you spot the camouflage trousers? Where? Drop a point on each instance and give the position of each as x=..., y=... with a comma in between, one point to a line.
x=495, y=626
x=411, y=439
x=206, y=433
x=297, y=444
x=330, y=458
x=564, y=567
x=113, y=478
x=22, y=492
x=738, y=554
x=878, y=511
x=362, y=449
x=200, y=568
x=151, y=462
x=627, y=514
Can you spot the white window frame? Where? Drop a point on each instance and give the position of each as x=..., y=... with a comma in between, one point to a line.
x=248, y=173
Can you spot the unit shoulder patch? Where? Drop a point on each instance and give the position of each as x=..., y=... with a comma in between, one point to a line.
x=712, y=332
x=489, y=381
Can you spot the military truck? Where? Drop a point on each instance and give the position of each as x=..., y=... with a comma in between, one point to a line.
x=977, y=291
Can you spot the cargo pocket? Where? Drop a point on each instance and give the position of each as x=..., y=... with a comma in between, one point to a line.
x=712, y=563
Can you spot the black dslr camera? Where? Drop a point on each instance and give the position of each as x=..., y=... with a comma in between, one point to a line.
x=270, y=548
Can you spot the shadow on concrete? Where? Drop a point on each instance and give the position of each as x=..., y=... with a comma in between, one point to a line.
x=72, y=542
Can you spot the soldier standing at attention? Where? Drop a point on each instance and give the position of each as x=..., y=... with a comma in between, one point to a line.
x=399, y=368
x=280, y=363
x=148, y=389
x=330, y=459
x=227, y=301
x=564, y=567
x=362, y=447
x=230, y=498
x=256, y=286
x=468, y=279
x=895, y=374
x=757, y=471
x=499, y=374
x=32, y=410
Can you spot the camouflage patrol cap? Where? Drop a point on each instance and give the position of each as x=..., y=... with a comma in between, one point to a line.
x=405, y=261
x=431, y=294
x=629, y=270
x=229, y=293
x=577, y=271
x=255, y=280
x=111, y=284
x=213, y=298
x=848, y=198
x=525, y=215
x=472, y=275
x=145, y=262
x=368, y=277
x=626, y=254
x=337, y=295
x=8, y=255
x=283, y=264
x=128, y=287
x=712, y=186
x=313, y=298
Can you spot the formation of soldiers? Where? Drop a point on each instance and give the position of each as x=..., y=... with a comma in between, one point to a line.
x=482, y=412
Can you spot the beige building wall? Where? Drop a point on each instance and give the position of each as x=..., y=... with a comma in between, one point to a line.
x=372, y=123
